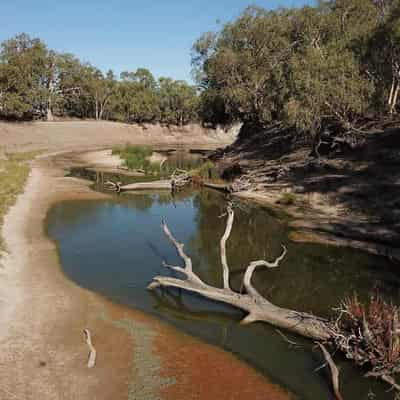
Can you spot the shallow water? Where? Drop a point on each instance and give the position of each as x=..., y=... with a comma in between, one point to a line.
x=115, y=247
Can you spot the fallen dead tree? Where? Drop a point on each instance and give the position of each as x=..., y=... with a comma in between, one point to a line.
x=153, y=185
x=370, y=336
x=179, y=179
x=257, y=307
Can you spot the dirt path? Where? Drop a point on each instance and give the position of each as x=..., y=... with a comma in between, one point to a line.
x=42, y=315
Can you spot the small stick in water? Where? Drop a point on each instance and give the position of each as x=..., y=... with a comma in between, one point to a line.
x=334, y=371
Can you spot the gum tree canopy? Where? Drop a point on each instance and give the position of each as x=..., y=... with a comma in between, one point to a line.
x=336, y=62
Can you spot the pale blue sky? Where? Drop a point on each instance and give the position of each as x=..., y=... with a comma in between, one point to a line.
x=125, y=34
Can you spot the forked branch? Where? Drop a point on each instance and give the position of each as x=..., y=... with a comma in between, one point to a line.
x=252, y=302
x=334, y=371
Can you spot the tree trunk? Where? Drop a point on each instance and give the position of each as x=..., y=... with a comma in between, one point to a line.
x=51, y=88
x=101, y=112
x=96, y=104
x=394, y=99
x=49, y=112
x=391, y=93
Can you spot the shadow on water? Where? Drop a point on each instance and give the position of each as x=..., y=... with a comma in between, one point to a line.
x=116, y=246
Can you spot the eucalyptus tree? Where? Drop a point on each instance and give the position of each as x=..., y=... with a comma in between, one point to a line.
x=384, y=56
x=245, y=64
x=101, y=89
x=178, y=101
x=23, y=77
x=138, y=96
x=327, y=80
x=306, y=67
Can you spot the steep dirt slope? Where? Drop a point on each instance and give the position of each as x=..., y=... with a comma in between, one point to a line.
x=353, y=193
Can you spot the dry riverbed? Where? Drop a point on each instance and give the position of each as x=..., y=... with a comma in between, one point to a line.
x=42, y=315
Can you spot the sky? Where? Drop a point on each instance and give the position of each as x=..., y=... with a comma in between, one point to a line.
x=124, y=35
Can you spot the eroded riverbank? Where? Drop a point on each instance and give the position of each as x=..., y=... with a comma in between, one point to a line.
x=347, y=197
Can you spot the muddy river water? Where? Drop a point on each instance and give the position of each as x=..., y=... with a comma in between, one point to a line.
x=115, y=247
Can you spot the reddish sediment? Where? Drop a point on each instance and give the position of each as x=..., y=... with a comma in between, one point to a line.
x=203, y=371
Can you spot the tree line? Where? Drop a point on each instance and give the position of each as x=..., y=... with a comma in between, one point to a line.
x=39, y=83
x=336, y=63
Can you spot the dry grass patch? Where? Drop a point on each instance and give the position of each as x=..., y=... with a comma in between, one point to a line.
x=14, y=171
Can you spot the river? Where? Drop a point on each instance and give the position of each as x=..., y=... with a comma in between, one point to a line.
x=115, y=247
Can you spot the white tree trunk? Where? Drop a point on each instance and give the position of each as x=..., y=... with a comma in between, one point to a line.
x=49, y=113
x=96, y=109
x=394, y=99
x=391, y=93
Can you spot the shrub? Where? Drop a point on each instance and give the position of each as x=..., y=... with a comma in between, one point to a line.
x=135, y=157
x=287, y=199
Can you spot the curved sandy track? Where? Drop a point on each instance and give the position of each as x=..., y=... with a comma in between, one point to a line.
x=42, y=314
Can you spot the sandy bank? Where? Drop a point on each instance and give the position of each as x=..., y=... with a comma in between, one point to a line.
x=42, y=314
x=323, y=225
x=78, y=135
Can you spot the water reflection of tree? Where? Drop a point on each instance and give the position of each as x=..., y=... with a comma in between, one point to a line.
x=311, y=278
x=138, y=201
x=255, y=235
x=74, y=212
x=177, y=197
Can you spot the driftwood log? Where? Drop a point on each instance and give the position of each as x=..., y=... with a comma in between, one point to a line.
x=179, y=179
x=154, y=185
x=252, y=302
x=92, y=351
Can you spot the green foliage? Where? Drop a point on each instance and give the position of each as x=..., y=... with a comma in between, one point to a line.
x=178, y=102
x=334, y=62
x=36, y=82
x=23, y=77
x=304, y=67
x=14, y=171
x=136, y=158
